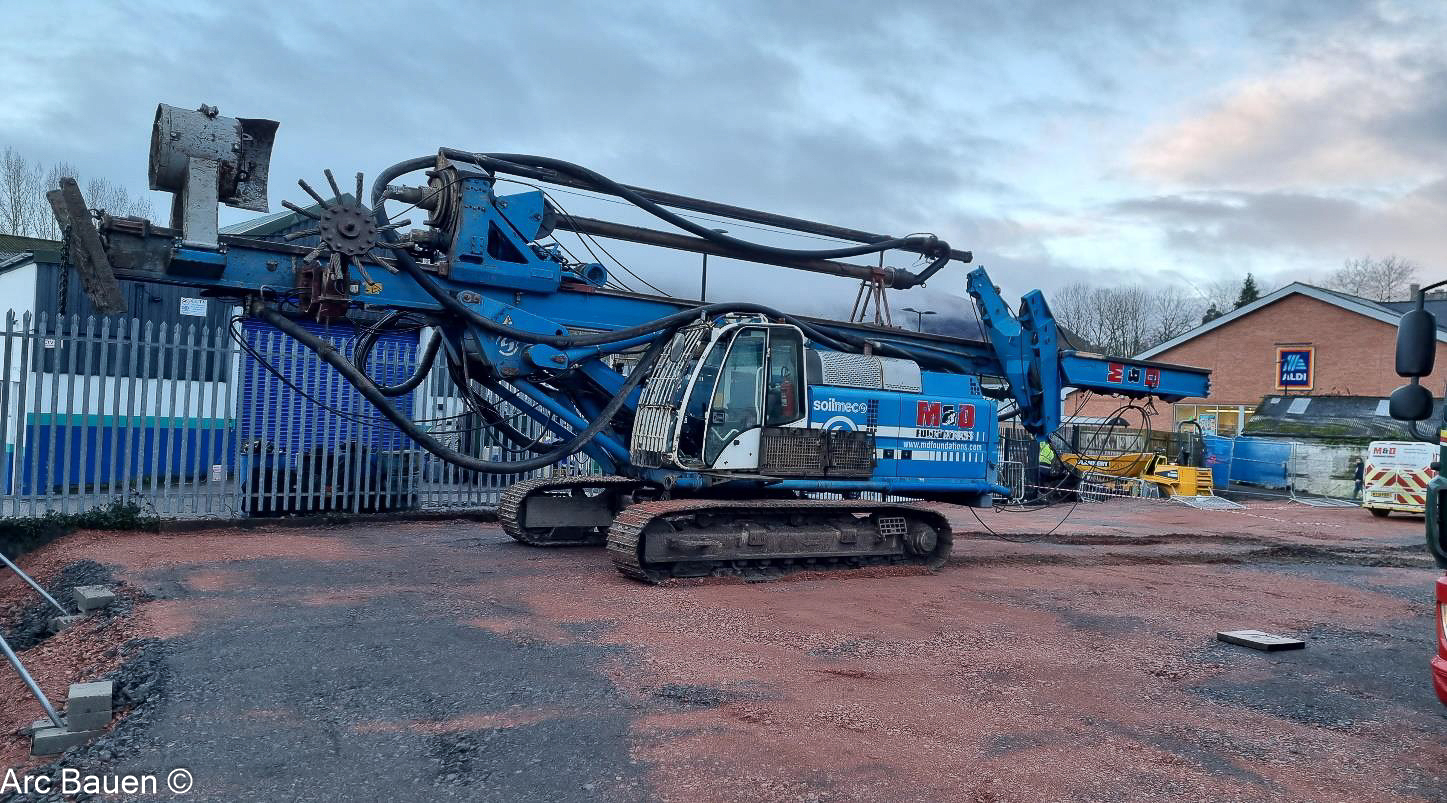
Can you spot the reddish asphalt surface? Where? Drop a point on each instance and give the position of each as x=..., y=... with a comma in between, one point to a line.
x=440, y=660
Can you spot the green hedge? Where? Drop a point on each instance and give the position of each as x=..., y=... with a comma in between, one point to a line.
x=21, y=535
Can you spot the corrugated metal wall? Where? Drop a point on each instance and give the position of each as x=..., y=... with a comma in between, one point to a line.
x=269, y=409
x=160, y=305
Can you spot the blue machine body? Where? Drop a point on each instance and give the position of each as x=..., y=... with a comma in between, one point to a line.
x=941, y=439
x=491, y=246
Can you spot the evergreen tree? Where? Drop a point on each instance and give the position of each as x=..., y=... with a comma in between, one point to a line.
x=1211, y=314
x=1249, y=292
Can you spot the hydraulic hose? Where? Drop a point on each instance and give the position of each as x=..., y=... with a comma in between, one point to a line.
x=372, y=394
x=424, y=364
x=929, y=244
x=408, y=264
x=488, y=412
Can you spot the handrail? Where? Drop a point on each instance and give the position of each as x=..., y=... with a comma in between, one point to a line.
x=34, y=585
x=30, y=682
x=15, y=659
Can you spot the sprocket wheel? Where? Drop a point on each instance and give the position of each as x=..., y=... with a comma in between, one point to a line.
x=348, y=230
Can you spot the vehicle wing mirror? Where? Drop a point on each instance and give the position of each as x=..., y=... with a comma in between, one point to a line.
x=1416, y=343
x=1410, y=403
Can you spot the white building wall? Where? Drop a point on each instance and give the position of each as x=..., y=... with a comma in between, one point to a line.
x=17, y=292
x=1323, y=469
x=78, y=394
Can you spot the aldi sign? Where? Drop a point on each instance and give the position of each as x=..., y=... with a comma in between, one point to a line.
x=1295, y=368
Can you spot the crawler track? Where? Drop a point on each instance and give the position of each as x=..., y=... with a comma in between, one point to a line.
x=511, y=507
x=656, y=541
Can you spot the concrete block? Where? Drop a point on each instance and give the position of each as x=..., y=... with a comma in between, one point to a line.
x=88, y=705
x=1257, y=640
x=51, y=740
x=59, y=623
x=87, y=720
x=92, y=598
x=93, y=696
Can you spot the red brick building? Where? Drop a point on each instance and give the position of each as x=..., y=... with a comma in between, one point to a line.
x=1299, y=340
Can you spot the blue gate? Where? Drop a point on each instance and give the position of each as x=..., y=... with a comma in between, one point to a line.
x=272, y=411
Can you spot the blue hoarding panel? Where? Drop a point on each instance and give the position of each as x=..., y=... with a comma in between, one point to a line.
x=92, y=453
x=1262, y=462
x=1218, y=459
x=269, y=410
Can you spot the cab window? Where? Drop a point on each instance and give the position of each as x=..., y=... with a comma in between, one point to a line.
x=736, y=399
x=784, y=399
x=695, y=410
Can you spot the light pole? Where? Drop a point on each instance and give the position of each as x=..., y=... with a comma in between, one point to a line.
x=919, y=317
x=703, y=289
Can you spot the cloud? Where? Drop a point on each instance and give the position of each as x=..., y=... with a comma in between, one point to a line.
x=998, y=125
x=1332, y=145
x=1310, y=233
x=1216, y=221
x=1363, y=103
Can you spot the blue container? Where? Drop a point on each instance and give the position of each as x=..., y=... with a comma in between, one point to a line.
x=1218, y=458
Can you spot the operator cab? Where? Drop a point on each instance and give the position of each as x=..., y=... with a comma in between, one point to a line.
x=715, y=390
x=751, y=377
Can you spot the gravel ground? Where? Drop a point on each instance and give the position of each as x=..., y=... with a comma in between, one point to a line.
x=31, y=624
x=441, y=660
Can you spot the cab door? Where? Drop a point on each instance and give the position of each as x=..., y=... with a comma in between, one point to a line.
x=735, y=418
x=752, y=378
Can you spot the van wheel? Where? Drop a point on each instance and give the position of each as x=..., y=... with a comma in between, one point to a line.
x=1380, y=513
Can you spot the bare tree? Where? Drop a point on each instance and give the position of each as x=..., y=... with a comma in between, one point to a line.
x=1386, y=279
x=105, y=194
x=1220, y=293
x=47, y=227
x=1175, y=312
x=1077, y=307
x=24, y=210
x=19, y=190
x=1127, y=314
x=1125, y=320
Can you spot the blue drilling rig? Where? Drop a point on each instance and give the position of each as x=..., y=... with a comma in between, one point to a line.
x=734, y=419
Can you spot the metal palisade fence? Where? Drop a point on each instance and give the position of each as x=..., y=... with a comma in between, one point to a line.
x=205, y=421
x=197, y=421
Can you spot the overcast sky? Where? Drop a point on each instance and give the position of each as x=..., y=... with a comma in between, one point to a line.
x=1112, y=142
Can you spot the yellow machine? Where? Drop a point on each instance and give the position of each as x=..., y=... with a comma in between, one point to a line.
x=1174, y=480
x=1131, y=464
x=1142, y=474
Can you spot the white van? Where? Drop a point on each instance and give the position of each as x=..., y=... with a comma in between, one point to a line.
x=1395, y=476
